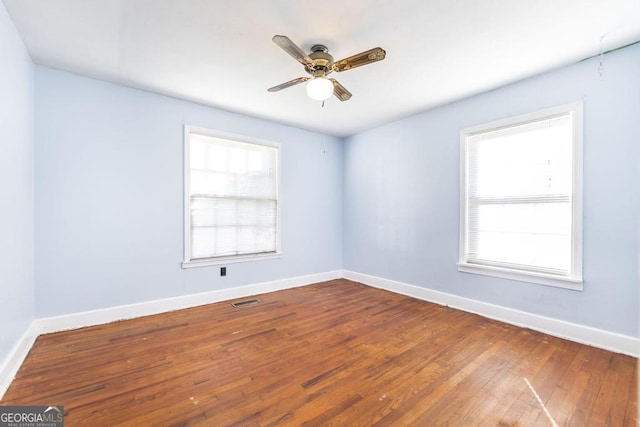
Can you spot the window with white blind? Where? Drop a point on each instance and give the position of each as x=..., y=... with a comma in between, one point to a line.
x=231, y=198
x=521, y=198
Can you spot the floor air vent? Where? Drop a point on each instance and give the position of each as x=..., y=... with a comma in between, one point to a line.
x=246, y=302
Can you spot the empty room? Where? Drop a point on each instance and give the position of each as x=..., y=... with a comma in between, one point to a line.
x=260, y=213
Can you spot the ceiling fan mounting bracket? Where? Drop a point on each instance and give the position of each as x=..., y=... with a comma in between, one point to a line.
x=319, y=48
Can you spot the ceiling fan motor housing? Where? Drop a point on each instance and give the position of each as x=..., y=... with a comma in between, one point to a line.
x=322, y=60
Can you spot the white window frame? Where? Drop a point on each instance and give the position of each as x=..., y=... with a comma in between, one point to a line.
x=188, y=262
x=572, y=281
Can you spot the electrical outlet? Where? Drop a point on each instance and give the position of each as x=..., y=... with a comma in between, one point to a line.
x=223, y=271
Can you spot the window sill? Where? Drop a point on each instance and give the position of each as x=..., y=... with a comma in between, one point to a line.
x=229, y=260
x=522, y=276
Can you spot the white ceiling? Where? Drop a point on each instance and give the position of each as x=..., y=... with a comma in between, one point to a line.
x=220, y=53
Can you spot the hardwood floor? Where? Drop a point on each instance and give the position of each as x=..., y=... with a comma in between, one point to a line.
x=336, y=353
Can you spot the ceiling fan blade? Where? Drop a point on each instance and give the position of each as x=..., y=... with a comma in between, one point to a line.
x=288, y=84
x=292, y=49
x=360, y=59
x=339, y=91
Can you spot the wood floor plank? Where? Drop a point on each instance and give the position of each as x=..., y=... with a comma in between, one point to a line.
x=336, y=353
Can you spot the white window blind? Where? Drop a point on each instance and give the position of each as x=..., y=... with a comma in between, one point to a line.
x=520, y=201
x=232, y=198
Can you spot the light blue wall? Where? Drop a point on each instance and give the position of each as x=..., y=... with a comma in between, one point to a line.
x=16, y=186
x=402, y=188
x=109, y=176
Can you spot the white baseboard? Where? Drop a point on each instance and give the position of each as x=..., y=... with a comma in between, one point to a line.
x=11, y=364
x=16, y=356
x=112, y=314
x=617, y=343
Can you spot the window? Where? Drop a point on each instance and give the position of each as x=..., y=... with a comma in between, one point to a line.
x=521, y=198
x=231, y=198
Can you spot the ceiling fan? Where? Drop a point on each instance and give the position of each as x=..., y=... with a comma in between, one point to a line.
x=319, y=64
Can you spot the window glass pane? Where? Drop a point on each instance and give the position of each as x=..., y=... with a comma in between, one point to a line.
x=256, y=161
x=237, y=160
x=533, y=234
x=197, y=151
x=266, y=213
x=265, y=238
x=203, y=241
x=203, y=212
x=219, y=184
x=226, y=243
x=216, y=158
x=247, y=240
x=246, y=214
x=198, y=182
x=226, y=212
x=535, y=160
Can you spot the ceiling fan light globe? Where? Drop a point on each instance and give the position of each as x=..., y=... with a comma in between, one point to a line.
x=319, y=88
